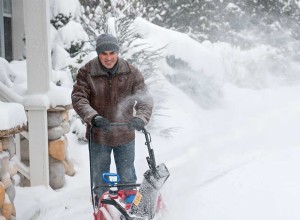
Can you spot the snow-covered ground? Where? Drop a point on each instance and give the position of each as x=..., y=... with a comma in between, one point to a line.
x=243, y=160
x=238, y=158
x=240, y=161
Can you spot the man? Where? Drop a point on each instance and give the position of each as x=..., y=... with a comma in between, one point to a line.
x=107, y=90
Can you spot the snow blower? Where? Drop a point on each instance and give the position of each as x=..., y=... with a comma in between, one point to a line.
x=142, y=203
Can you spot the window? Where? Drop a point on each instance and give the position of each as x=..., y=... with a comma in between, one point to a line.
x=5, y=29
x=7, y=38
x=7, y=7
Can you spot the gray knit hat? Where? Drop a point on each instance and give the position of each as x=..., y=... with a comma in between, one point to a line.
x=107, y=42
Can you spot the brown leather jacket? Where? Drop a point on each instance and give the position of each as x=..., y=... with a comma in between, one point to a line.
x=115, y=99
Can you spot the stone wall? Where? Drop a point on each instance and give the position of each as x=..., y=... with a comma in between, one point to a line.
x=59, y=161
x=8, y=177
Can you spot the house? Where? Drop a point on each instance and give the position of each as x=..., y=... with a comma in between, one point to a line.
x=30, y=18
x=11, y=29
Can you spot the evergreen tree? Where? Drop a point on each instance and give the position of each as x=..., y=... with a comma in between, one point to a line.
x=228, y=20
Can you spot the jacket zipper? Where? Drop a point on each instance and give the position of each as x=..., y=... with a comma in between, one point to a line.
x=110, y=79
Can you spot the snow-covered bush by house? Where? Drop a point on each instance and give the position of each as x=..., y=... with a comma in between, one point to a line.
x=70, y=43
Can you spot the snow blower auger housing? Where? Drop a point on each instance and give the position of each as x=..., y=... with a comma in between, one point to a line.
x=137, y=204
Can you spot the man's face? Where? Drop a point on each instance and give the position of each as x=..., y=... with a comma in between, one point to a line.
x=108, y=59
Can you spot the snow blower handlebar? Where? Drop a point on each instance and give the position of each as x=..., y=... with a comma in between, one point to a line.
x=151, y=157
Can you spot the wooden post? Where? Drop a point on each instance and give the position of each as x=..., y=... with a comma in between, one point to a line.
x=36, y=16
x=38, y=145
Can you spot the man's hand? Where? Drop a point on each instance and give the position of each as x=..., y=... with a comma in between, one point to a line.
x=101, y=122
x=136, y=123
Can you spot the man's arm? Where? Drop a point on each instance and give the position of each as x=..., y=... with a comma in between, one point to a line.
x=81, y=97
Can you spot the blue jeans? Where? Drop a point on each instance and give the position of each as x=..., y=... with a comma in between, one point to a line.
x=101, y=159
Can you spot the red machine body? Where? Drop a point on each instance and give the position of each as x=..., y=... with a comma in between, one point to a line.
x=123, y=197
x=119, y=203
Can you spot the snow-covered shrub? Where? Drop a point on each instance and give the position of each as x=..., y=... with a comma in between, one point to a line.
x=60, y=20
x=70, y=43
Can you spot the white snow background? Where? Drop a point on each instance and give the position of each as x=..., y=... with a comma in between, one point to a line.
x=235, y=158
